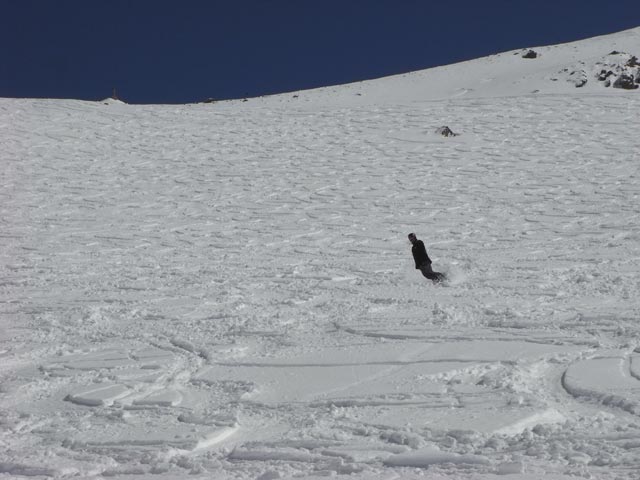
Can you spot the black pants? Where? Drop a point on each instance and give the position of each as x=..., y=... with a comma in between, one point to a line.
x=426, y=270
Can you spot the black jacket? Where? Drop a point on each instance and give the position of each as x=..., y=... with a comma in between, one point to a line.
x=420, y=253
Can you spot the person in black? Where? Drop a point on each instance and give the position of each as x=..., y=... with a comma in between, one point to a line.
x=423, y=262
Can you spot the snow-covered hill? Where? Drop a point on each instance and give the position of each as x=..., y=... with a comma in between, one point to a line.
x=227, y=290
x=589, y=66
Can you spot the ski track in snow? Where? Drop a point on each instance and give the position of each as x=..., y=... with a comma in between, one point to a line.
x=227, y=291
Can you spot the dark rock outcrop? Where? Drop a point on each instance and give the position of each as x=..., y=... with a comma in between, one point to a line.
x=578, y=78
x=619, y=70
x=446, y=132
x=604, y=74
x=625, y=82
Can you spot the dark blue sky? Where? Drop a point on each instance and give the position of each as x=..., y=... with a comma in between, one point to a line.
x=157, y=51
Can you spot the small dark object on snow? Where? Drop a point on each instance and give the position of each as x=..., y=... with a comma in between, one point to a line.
x=446, y=132
x=578, y=78
x=604, y=74
x=530, y=54
x=626, y=82
x=209, y=100
x=633, y=62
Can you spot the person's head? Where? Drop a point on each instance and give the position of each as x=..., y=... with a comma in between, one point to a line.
x=412, y=238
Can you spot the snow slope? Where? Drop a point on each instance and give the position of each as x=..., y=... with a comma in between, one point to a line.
x=557, y=69
x=227, y=291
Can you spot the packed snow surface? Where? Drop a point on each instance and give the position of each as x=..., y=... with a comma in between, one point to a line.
x=227, y=291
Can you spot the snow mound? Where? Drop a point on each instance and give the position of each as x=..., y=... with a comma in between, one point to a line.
x=433, y=456
x=612, y=381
